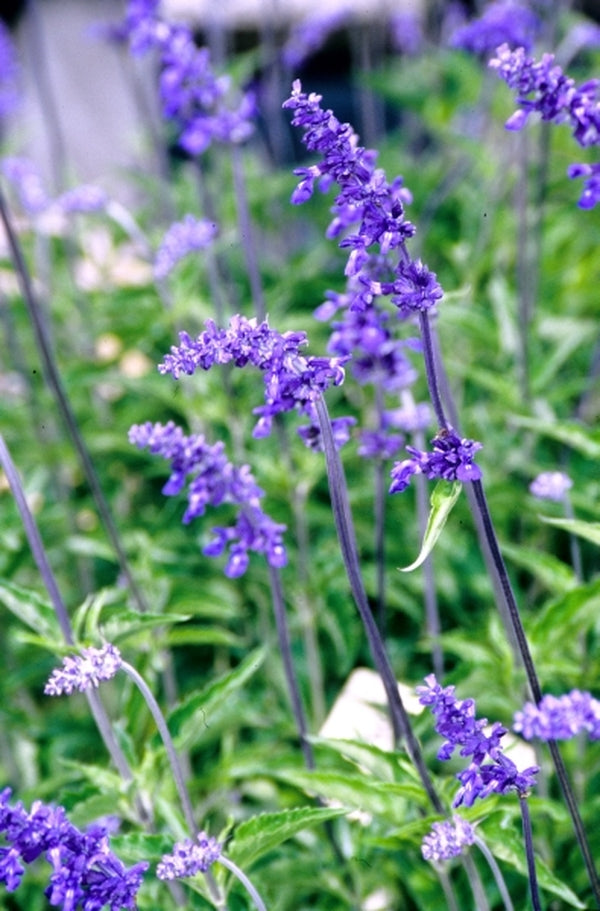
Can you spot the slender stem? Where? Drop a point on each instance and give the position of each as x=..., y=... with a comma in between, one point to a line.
x=167, y=740
x=448, y=890
x=347, y=538
x=528, y=837
x=39, y=555
x=247, y=234
x=288, y=665
x=496, y=872
x=481, y=900
x=244, y=881
x=431, y=370
x=65, y=408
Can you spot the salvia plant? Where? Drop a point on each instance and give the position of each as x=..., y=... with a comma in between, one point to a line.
x=300, y=476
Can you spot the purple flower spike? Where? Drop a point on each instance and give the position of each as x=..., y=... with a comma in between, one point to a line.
x=85, y=873
x=490, y=771
x=84, y=671
x=189, y=857
x=503, y=22
x=560, y=717
x=447, y=839
x=213, y=480
x=183, y=237
x=451, y=460
x=9, y=72
x=551, y=485
x=291, y=380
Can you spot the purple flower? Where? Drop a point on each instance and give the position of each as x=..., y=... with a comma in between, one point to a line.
x=310, y=434
x=85, y=871
x=490, y=771
x=503, y=22
x=9, y=72
x=311, y=33
x=551, y=485
x=27, y=181
x=407, y=32
x=84, y=671
x=411, y=416
x=291, y=380
x=559, y=717
x=447, y=839
x=86, y=198
x=543, y=87
x=451, y=460
x=379, y=444
x=189, y=857
x=183, y=237
x=214, y=481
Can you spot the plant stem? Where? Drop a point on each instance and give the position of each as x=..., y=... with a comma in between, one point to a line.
x=429, y=356
x=491, y=861
x=528, y=838
x=52, y=374
x=345, y=529
x=244, y=881
x=288, y=665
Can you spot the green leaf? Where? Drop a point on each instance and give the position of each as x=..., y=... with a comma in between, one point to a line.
x=551, y=572
x=570, y=433
x=261, y=834
x=33, y=610
x=188, y=721
x=588, y=530
x=443, y=498
x=357, y=792
x=505, y=844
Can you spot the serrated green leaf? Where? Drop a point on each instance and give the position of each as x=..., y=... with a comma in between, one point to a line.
x=357, y=792
x=33, y=610
x=588, y=530
x=188, y=720
x=443, y=498
x=259, y=835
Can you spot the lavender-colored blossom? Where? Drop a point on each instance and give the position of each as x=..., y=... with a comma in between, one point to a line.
x=490, y=771
x=85, y=198
x=411, y=416
x=503, y=22
x=311, y=33
x=189, y=857
x=311, y=436
x=28, y=184
x=291, y=380
x=379, y=444
x=447, y=839
x=9, y=72
x=542, y=87
x=551, y=485
x=406, y=28
x=85, y=671
x=212, y=481
x=450, y=460
x=560, y=717
x=183, y=237
x=85, y=872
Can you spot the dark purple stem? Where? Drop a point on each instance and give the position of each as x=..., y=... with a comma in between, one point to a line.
x=528, y=838
x=431, y=370
x=347, y=537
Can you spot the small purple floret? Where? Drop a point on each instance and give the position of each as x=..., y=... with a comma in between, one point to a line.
x=447, y=839
x=560, y=717
x=450, y=460
x=85, y=671
x=189, y=857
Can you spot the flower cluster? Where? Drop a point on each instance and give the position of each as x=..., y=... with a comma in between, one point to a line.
x=193, y=96
x=35, y=199
x=542, y=86
x=447, y=839
x=215, y=480
x=85, y=871
x=189, y=857
x=9, y=71
x=291, y=380
x=560, y=717
x=502, y=22
x=551, y=485
x=183, y=237
x=490, y=771
x=450, y=460
x=368, y=210
x=81, y=672
x=311, y=33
